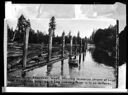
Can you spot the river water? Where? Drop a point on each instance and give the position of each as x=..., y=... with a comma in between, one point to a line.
x=89, y=74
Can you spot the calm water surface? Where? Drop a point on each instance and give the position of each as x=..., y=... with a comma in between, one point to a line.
x=87, y=69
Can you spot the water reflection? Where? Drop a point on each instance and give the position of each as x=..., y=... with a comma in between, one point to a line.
x=86, y=69
x=103, y=57
x=79, y=59
x=65, y=68
x=49, y=68
x=62, y=67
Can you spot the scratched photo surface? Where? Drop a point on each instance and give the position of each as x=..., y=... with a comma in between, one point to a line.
x=59, y=45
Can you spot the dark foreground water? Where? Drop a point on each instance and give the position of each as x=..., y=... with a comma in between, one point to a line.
x=88, y=74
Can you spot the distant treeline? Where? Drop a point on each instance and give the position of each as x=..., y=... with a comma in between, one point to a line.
x=105, y=38
x=37, y=37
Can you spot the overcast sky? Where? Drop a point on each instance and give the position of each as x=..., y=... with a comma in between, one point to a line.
x=85, y=27
x=84, y=17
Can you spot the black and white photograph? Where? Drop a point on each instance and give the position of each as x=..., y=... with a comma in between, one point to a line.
x=64, y=45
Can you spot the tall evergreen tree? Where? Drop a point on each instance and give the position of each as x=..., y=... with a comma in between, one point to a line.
x=52, y=24
x=22, y=24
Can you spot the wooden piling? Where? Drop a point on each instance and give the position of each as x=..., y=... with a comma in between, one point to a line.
x=85, y=45
x=63, y=44
x=70, y=55
x=25, y=46
x=50, y=45
x=25, y=49
x=83, y=49
x=75, y=49
x=81, y=46
x=80, y=51
x=49, y=53
x=63, y=49
x=49, y=49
